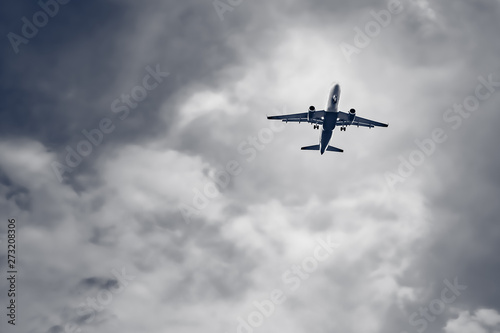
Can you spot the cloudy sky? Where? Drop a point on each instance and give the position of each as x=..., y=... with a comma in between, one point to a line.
x=151, y=194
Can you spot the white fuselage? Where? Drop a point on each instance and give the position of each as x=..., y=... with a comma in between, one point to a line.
x=331, y=116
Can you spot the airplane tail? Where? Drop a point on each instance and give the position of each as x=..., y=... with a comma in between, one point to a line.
x=314, y=147
x=329, y=148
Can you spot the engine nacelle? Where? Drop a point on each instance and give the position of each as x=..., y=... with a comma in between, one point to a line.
x=310, y=113
x=352, y=115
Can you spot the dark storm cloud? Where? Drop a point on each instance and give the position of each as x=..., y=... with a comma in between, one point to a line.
x=463, y=240
x=67, y=77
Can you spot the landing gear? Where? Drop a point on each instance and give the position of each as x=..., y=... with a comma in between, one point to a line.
x=316, y=126
x=343, y=128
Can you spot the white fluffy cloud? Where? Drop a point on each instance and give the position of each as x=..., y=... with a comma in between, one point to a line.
x=481, y=321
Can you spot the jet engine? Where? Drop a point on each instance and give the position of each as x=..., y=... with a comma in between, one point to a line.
x=310, y=113
x=352, y=114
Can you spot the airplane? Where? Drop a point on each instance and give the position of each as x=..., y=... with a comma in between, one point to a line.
x=329, y=118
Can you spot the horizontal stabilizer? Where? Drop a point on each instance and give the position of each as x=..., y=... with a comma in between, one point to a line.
x=331, y=148
x=315, y=147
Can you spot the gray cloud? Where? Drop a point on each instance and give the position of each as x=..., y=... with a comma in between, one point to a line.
x=120, y=206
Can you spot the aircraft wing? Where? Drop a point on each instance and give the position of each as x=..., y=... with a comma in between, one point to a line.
x=317, y=117
x=358, y=121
